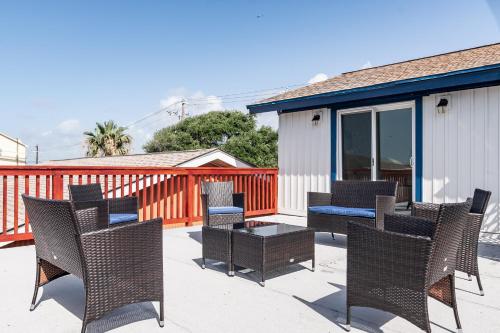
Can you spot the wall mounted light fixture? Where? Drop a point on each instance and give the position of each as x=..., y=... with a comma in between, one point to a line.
x=316, y=118
x=442, y=105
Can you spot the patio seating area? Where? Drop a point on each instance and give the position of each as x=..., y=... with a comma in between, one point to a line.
x=197, y=300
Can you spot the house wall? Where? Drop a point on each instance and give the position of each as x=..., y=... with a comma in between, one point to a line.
x=461, y=149
x=304, y=159
x=11, y=152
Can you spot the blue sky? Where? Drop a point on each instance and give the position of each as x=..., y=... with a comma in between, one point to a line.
x=66, y=64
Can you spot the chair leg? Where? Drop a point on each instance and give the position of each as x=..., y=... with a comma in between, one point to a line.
x=481, y=291
x=454, y=303
x=37, y=284
x=348, y=319
x=84, y=327
x=333, y=235
x=203, y=263
x=162, y=315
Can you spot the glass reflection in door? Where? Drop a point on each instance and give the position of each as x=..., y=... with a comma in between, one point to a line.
x=394, y=150
x=356, y=146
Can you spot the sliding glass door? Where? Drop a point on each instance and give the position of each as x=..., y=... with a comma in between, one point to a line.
x=356, y=146
x=376, y=143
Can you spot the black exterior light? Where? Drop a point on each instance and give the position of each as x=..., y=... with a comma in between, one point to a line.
x=316, y=118
x=442, y=105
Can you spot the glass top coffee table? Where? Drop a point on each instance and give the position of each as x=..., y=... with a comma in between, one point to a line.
x=270, y=247
x=264, y=247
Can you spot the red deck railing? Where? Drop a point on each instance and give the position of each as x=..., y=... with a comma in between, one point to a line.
x=170, y=193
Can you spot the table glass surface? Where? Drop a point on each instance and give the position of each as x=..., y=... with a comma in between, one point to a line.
x=264, y=229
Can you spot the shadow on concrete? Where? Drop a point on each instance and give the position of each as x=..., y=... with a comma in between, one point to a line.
x=333, y=308
x=325, y=238
x=489, y=249
x=196, y=235
x=249, y=274
x=68, y=291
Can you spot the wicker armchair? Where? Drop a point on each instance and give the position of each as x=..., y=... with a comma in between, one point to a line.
x=375, y=197
x=124, y=209
x=118, y=266
x=220, y=205
x=467, y=251
x=397, y=268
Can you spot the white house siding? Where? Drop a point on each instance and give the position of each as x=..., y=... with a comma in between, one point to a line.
x=461, y=149
x=12, y=152
x=304, y=159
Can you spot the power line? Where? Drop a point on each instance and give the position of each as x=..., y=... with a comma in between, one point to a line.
x=233, y=98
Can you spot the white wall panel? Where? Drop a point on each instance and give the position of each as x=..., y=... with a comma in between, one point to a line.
x=304, y=159
x=461, y=149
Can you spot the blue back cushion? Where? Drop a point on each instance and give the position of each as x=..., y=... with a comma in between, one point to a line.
x=119, y=218
x=224, y=210
x=344, y=211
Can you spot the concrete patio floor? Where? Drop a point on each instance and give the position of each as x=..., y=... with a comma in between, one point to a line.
x=208, y=300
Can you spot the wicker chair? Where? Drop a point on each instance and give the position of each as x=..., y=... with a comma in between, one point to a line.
x=397, y=268
x=467, y=251
x=118, y=266
x=124, y=209
x=375, y=198
x=220, y=205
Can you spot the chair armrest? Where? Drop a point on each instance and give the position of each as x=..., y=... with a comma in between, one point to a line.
x=319, y=199
x=204, y=209
x=92, y=215
x=124, y=205
x=385, y=204
x=409, y=225
x=127, y=259
x=425, y=210
x=374, y=256
x=239, y=200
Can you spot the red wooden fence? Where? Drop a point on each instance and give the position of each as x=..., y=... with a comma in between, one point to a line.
x=170, y=193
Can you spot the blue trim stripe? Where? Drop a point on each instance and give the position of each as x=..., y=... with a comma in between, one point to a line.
x=333, y=142
x=457, y=80
x=418, y=148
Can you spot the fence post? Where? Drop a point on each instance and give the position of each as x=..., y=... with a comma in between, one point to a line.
x=57, y=186
x=190, y=199
x=275, y=191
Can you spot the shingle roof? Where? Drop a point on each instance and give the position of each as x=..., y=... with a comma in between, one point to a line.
x=164, y=159
x=438, y=64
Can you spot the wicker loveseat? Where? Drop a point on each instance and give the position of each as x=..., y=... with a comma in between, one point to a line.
x=119, y=265
x=365, y=202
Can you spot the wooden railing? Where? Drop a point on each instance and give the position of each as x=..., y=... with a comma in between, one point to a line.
x=170, y=193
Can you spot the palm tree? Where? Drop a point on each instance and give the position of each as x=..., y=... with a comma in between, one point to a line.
x=107, y=139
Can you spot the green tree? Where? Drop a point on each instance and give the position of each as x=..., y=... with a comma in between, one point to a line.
x=259, y=147
x=107, y=139
x=232, y=131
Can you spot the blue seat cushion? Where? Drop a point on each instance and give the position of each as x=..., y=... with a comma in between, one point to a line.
x=344, y=211
x=120, y=218
x=224, y=210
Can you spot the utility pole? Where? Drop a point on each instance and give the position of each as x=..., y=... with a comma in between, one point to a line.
x=36, y=154
x=182, y=110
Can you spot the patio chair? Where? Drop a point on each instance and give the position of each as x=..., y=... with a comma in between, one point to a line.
x=467, y=251
x=118, y=266
x=397, y=268
x=220, y=205
x=365, y=202
x=121, y=210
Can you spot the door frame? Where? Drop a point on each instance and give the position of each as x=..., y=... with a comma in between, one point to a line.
x=373, y=109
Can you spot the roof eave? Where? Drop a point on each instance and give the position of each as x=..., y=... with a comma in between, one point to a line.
x=457, y=80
